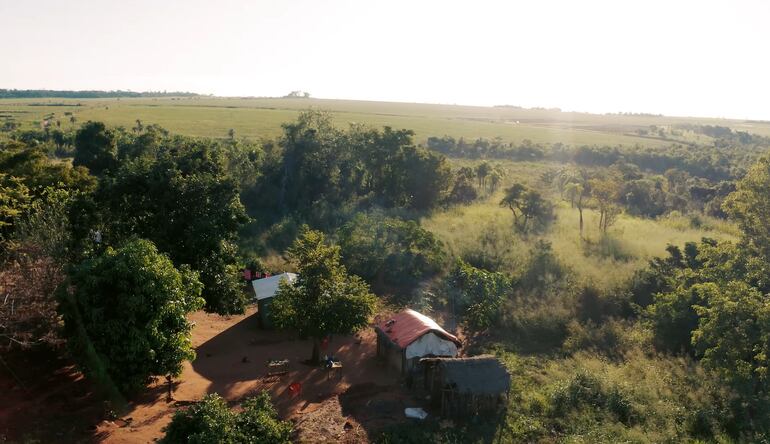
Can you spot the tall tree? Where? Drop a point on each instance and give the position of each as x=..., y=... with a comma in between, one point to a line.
x=514, y=200
x=495, y=178
x=14, y=199
x=482, y=171
x=324, y=299
x=389, y=251
x=575, y=184
x=526, y=205
x=749, y=206
x=186, y=204
x=605, y=192
x=95, y=148
x=733, y=339
x=125, y=315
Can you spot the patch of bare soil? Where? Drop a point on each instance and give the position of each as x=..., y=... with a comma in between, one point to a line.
x=43, y=397
x=57, y=404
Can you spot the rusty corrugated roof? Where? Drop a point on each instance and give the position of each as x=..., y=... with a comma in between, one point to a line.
x=409, y=326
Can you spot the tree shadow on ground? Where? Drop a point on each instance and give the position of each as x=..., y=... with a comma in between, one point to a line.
x=44, y=398
x=234, y=363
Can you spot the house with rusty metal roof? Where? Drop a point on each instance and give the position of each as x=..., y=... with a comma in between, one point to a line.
x=409, y=336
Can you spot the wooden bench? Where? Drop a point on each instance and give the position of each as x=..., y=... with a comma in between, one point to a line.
x=277, y=367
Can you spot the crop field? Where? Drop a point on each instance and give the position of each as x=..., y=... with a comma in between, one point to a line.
x=262, y=117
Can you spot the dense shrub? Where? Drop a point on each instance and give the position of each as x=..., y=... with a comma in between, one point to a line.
x=211, y=421
x=537, y=324
x=258, y=422
x=543, y=269
x=494, y=248
x=586, y=391
x=389, y=251
x=607, y=337
x=185, y=202
x=125, y=317
x=479, y=293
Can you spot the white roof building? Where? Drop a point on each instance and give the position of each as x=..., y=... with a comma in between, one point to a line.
x=267, y=287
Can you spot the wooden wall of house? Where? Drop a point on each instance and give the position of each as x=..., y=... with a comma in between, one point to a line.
x=454, y=404
x=392, y=355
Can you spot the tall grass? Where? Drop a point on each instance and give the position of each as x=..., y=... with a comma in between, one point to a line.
x=586, y=398
x=607, y=260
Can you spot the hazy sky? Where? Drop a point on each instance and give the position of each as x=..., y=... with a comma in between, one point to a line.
x=675, y=57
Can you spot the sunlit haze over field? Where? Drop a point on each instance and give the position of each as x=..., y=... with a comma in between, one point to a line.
x=699, y=58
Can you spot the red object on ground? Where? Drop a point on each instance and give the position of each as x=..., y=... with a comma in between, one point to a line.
x=295, y=388
x=409, y=326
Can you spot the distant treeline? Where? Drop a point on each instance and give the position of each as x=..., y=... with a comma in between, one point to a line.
x=725, y=159
x=44, y=93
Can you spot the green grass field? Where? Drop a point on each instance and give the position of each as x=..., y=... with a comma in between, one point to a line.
x=605, y=260
x=257, y=118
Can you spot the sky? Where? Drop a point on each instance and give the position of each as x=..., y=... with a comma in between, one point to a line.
x=675, y=57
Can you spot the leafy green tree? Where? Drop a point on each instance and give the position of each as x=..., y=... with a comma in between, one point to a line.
x=323, y=168
x=733, y=341
x=186, y=204
x=514, y=200
x=605, y=192
x=479, y=293
x=749, y=206
x=324, y=299
x=38, y=172
x=14, y=199
x=644, y=197
x=211, y=421
x=574, y=183
x=463, y=190
x=125, y=315
x=95, y=148
x=258, y=422
x=314, y=156
x=495, y=178
x=673, y=318
x=220, y=275
x=482, y=171
x=46, y=224
x=389, y=251
x=526, y=205
x=420, y=178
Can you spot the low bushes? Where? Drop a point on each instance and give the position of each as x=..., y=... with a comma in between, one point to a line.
x=212, y=421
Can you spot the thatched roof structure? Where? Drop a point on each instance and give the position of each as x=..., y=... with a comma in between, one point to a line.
x=478, y=375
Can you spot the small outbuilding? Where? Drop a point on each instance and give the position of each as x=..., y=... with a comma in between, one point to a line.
x=264, y=291
x=409, y=336
x=467, y=386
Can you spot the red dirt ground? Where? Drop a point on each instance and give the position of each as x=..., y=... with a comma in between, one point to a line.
x=232, y=352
